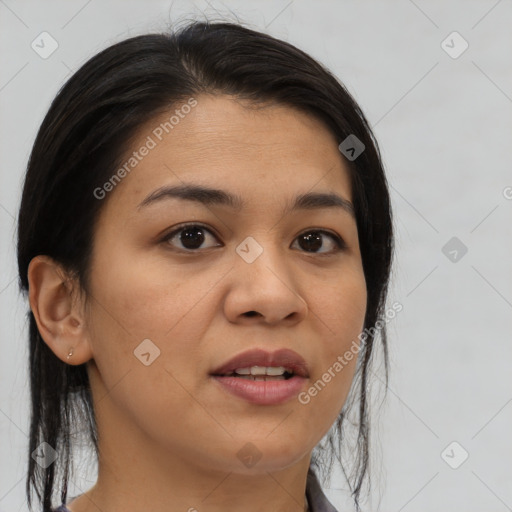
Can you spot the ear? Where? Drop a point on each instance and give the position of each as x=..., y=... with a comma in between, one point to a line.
x=58, y=310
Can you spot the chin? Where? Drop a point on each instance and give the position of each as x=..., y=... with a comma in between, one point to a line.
x=262, y=455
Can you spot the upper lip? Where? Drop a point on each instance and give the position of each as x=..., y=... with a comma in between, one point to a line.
x=257, y=357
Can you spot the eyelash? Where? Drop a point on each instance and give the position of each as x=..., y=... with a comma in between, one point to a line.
x=340, y=243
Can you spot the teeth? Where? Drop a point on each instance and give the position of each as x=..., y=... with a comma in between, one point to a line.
x=243, y=371
x=262, y=370
x=262, y=377
x=276, y=370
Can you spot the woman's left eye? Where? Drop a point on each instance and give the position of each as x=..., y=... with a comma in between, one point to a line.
x=193, y=236
x=313, y=240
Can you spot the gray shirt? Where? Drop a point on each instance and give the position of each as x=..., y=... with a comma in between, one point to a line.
x=317, y=500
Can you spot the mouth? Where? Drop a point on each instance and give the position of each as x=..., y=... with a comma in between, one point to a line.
x=261, y=373
x=263, y=378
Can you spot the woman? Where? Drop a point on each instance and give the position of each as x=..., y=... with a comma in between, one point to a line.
x=204, y=238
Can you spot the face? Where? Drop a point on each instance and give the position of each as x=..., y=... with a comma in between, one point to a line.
x=261, y=276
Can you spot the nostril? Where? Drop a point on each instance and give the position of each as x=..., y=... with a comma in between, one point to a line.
x=251, y=313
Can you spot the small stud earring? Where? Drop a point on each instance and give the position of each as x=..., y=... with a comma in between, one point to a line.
x=70, y=353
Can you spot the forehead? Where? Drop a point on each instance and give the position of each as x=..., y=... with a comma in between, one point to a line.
x=259, y=152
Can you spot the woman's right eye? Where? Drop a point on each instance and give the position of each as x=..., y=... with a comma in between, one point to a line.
x=190, y=236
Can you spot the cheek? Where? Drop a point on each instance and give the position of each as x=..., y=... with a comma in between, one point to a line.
x=340, y=308
x=148, y=297
x=165, y=308
x=141, y=299
x=341, y=312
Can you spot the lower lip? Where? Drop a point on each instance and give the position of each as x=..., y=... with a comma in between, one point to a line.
x=262, y=392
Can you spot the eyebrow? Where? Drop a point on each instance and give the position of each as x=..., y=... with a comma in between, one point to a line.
x=211, y=196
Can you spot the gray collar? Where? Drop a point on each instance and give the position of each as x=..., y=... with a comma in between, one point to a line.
x=317, y=500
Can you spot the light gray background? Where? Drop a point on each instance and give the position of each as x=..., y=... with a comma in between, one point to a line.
x=444, y=126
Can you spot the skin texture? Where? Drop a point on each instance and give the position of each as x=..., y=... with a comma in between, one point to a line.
x=168, y=434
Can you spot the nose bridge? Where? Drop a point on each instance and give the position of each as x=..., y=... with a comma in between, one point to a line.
x=266, y=284
x=262, y=250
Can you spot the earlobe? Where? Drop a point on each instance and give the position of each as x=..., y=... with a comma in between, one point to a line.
x=59, y=318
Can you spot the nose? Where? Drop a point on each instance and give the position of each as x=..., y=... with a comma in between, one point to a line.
x=264, y=291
